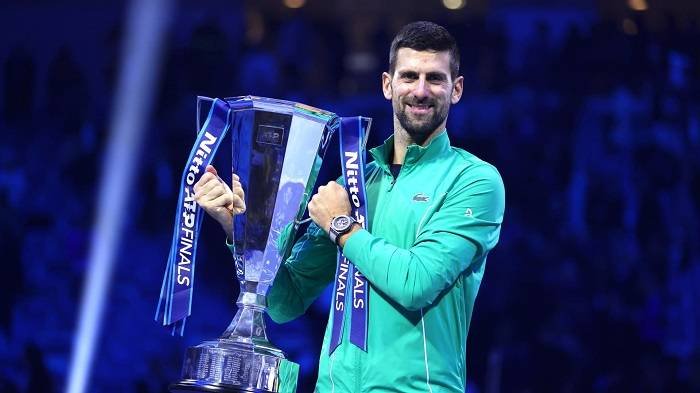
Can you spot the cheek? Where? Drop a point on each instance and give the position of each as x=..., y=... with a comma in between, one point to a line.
x=396, y=104
x=447, y=94
x=402, y=89
x=397, y=91
x=396, y=97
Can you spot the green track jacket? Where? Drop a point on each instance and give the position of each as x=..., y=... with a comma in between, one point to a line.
x=431, y=230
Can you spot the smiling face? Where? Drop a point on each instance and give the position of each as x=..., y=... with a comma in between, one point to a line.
x=421, y=90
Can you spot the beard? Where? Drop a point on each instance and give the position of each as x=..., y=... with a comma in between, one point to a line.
x=420, y=128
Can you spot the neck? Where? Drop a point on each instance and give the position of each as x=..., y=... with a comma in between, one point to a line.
x=402, y=140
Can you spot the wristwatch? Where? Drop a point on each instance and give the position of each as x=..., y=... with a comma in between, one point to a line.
x=340, y=225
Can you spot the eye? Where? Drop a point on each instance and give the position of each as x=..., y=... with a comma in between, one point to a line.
x=408, y=76
x=436, y=78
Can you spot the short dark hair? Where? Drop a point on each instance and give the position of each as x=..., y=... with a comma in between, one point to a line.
x=425, y=36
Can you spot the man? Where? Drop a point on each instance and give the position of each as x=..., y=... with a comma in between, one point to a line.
x=435, y=212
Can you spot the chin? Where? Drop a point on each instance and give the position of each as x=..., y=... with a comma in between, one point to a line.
x=419, y=136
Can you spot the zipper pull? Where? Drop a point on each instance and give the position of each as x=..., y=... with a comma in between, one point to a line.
x=391, y=185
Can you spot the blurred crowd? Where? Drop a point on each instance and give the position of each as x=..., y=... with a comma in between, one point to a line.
x=595, y=128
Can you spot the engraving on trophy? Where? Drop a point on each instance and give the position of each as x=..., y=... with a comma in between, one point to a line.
x=270, y=135
x=231, y=369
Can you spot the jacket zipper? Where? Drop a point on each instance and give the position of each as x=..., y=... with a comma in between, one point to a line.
x=393, y=179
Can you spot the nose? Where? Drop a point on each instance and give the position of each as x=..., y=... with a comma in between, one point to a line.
x=421, y=88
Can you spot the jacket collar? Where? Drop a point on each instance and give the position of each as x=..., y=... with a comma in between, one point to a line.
x=384, y=153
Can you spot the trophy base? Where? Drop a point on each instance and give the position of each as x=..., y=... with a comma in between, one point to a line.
x=189, y=386
x=227, y=366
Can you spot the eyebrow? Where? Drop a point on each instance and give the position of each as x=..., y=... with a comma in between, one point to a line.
x=429, y=76
x=408, y=74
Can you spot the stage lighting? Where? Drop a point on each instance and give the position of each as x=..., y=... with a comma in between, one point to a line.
x=143, y=41
x=638, y=5
x=454, y=4
x=294, y=3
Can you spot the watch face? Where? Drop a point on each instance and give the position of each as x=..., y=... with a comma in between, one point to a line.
x=339, y=226
x=342, y=222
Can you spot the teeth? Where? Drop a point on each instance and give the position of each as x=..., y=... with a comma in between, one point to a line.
x=419, y=106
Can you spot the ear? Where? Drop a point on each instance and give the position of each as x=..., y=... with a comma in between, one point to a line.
x=386, y=85
x=457, y=89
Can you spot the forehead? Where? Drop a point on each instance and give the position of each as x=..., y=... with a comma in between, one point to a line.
x=408, y=59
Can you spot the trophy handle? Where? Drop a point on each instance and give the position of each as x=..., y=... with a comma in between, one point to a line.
x=301, y=217
x=366, y=125
x=202, y=100
x=332, y=126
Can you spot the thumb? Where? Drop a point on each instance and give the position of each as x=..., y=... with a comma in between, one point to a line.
x=212, y=170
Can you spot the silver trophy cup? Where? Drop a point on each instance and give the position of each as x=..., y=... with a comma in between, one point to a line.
x=278, y=147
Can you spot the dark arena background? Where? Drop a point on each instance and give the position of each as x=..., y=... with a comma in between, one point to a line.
x=590, y=110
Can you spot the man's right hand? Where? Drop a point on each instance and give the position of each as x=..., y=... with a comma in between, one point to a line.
x=218, y=200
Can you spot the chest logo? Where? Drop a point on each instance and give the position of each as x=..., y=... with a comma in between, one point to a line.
x=420, y=197
x=469, y=213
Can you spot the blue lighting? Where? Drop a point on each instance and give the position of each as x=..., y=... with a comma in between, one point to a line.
x=141, y=51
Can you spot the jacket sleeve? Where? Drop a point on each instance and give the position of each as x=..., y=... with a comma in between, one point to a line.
x=461, y=230
x=303, y=276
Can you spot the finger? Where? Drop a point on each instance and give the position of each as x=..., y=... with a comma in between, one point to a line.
x=206, y=177
x=208, y=187
x=220, y=179
x=238, y=192
x=223, y=200
x=237, y=204
x=211, y=169
x=211, y=195
x=235, y=177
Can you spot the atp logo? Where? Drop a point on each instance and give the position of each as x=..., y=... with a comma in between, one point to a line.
x=469, y=212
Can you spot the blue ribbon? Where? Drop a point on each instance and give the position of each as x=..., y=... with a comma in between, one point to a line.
x=352, y=154
x=175, y=303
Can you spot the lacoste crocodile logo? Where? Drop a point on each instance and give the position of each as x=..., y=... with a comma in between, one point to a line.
x=420, y=197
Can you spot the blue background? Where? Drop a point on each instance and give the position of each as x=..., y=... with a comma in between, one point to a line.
x=590, y=110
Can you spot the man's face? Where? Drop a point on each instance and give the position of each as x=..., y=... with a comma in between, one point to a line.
x=421, y=90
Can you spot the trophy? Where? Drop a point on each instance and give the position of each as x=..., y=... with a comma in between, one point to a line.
x=278, y=147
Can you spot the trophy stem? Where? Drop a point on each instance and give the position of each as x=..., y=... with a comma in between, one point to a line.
x=248, y=326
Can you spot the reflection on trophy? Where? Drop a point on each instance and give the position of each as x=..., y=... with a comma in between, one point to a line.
x=278, y=147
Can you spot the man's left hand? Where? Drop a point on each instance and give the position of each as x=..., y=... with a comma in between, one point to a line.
x=331, y=200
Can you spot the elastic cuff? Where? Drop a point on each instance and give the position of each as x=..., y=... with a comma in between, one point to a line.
x=230, y=245
x=355, y=244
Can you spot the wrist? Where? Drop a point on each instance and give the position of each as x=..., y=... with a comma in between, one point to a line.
x=344, y=237
x=228, y=230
